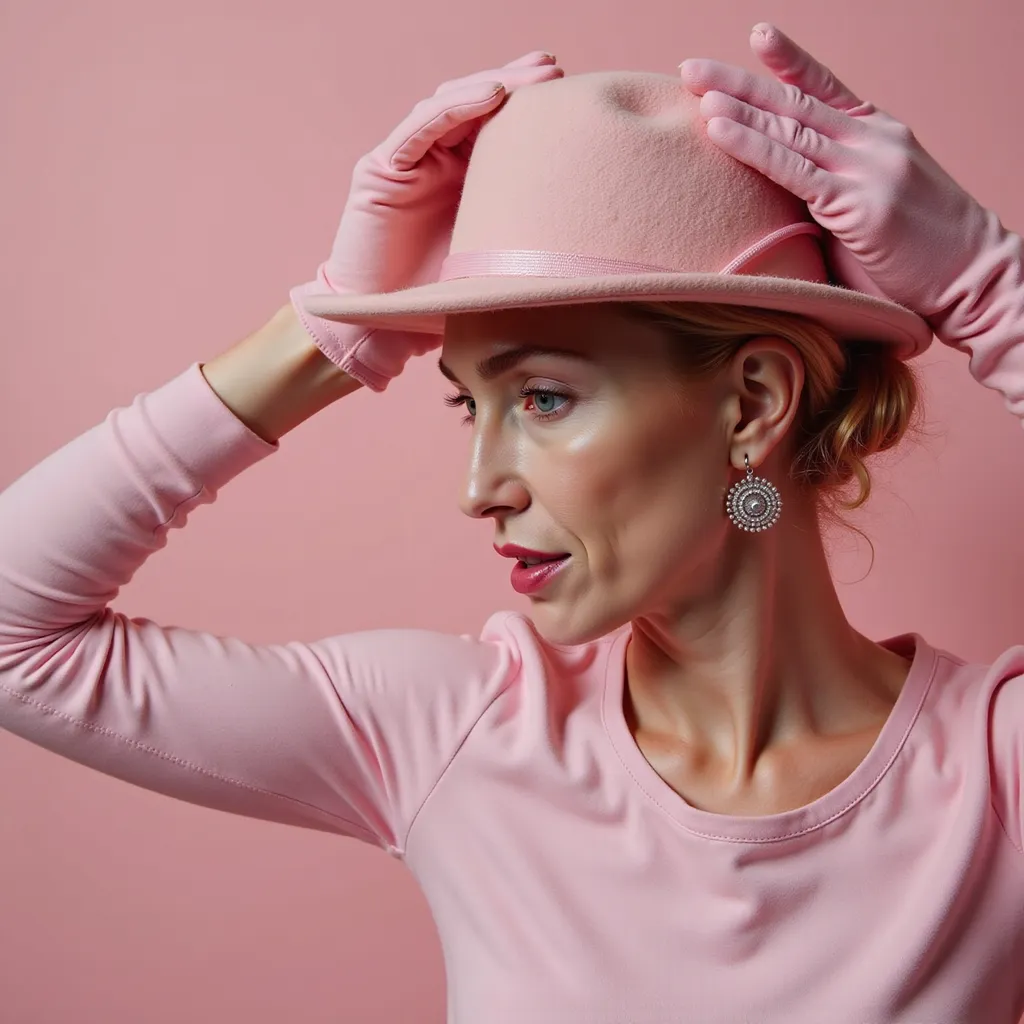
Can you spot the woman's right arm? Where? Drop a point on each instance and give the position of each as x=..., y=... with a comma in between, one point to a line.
x=347, y=734
x=277, y=377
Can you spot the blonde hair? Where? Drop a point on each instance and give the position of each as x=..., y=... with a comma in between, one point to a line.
x=858, y=398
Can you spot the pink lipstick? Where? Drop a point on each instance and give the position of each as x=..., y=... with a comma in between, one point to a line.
x=528, y=579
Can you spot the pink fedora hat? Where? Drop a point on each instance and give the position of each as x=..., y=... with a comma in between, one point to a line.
x=603, y=187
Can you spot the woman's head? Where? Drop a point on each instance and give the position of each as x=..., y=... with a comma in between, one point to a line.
x=626, y=468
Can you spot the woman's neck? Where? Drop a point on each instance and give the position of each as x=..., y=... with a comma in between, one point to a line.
x=764, y=659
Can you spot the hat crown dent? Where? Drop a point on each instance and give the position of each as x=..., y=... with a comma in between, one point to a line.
x=616, y=165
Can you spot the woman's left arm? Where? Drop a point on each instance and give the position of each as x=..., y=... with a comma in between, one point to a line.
x=900, y=224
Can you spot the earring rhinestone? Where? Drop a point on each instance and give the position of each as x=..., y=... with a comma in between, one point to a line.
x=753, y=504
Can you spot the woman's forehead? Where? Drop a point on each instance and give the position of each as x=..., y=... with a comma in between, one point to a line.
x=598, y=332
x=480, y=336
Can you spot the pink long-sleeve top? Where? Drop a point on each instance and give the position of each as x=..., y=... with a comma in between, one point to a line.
x=569, y=883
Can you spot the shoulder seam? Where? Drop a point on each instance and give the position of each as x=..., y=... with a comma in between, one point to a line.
x=505, y=673
x=995, y=811
x=958, y=663
x=1002, y=824
x=606, y=639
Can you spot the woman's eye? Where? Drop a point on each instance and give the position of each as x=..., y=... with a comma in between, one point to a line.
x=453, y=401
x=544, y=401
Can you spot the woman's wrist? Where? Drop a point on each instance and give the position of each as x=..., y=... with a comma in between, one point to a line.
x=277, y=377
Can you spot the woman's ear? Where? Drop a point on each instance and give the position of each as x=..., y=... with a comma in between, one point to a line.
x=766, y=379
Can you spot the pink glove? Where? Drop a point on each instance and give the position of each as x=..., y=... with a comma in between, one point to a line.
x=901, y=225
x=397, y=224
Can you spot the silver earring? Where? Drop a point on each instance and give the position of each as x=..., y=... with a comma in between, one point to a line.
x=753, y=504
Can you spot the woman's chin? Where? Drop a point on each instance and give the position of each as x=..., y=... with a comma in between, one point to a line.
x=567, y=627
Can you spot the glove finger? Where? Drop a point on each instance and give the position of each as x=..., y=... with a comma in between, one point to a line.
x=530, y=61
x=511, y=78
x=511, y=81
x=462, y=138
x=458, y=117
x=433, y=118
x=793, y=64
x=792, y=171
x=820, y=149
x=531, y=58
x=702, y=76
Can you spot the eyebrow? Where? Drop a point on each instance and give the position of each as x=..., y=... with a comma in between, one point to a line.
x=494, y=366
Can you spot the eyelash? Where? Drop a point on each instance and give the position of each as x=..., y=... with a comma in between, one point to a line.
x=456, y=399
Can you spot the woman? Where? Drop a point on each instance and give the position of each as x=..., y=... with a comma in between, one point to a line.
x=685, y=788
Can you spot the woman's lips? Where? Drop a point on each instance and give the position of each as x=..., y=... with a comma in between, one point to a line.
x=528, y=579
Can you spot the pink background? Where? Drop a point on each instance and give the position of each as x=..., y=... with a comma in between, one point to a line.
x=169, y=172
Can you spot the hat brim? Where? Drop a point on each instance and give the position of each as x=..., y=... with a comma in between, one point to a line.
x=422, y=309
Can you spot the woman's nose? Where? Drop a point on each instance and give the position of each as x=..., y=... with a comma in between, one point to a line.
x=492, y=483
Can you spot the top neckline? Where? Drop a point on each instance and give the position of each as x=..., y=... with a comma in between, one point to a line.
x=770, y=827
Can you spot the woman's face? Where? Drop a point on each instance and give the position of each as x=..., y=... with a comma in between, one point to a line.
x=625, y=468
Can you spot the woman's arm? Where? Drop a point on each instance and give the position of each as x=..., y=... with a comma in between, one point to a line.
x=277, y=377
x=346, y=734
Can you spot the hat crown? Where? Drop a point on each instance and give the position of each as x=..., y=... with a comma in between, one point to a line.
x=604, y=187
x=616, y=165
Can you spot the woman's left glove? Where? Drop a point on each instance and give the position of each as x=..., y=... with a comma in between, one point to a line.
x=905, y=228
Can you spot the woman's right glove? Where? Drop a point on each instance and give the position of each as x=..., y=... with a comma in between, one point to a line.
x=396, y=227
